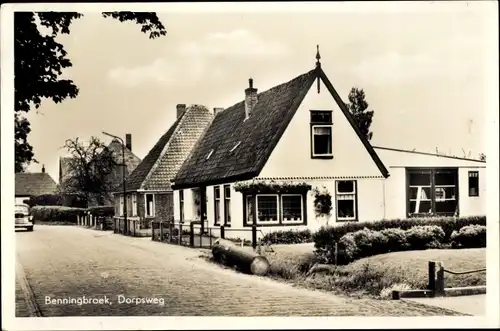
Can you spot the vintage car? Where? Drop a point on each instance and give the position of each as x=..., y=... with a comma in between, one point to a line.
x=23, y=217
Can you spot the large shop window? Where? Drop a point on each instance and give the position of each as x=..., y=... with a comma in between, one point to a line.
x=346, y=200
x=276, y=209
x=432, y=191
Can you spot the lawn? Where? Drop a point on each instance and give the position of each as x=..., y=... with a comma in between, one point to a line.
x=377, y=275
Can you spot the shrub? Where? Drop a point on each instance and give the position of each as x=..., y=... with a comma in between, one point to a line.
x=423, y=237
x=288, y=237
x=471, y=236
x=326, y=236
x=396, y=240
x=56, y=213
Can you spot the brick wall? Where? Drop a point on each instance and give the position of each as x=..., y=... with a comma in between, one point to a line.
x=164, y=206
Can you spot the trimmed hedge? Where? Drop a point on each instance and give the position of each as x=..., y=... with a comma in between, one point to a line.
x=288, y=237
x=366, y=242
x=56, y=213
x=471, y=236
x=327, y=236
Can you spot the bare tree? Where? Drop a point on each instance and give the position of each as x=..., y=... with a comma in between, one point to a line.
x=93, y=170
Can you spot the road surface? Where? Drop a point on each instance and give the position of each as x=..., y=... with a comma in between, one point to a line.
x=105, y=274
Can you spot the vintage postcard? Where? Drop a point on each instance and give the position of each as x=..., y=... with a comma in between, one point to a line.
x=250, y=165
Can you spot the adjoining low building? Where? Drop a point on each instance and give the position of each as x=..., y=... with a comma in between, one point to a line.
x=31, y=184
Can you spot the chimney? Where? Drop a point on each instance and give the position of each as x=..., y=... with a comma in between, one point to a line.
x=43, y=167
x=217, y=110
x=128, y=141
x=181, y=108
x=250, y=98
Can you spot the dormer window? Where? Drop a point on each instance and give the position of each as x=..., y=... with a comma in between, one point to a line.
x=321, y=134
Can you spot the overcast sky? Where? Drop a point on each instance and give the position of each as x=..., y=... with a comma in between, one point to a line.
x=425, y=71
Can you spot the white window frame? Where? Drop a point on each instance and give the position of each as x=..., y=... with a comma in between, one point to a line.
x=146, y=205
x=331, y=138
x=134, y=204
x=227, y=199
x=353, y=192
x=277, y=209
x=122, y=199
x=181, y=205
x=217, y=207
x=301, y=220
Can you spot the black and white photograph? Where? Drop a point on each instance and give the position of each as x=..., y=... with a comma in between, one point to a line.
x=250, y=165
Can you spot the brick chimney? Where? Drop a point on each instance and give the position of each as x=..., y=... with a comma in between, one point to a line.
x=217, y=110
x=43, y=168
x=181, y=108
x=128, y=141
x=250, y=98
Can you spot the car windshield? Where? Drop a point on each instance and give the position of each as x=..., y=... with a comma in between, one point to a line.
x=22, y=209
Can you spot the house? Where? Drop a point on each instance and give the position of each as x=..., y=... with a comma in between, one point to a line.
x=116, y=178
x=149, y=195
x=31, y=184
x=270, y=158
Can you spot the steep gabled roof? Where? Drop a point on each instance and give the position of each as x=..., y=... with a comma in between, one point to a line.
x=234, y=149
x=131, y=160
x=34, y=183
x=163, y=161
x=140, y=173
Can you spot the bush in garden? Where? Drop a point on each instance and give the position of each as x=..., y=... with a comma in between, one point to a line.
x=288, y=237
x=396, y=240
x=102, y=211
x=56, y=214
x=44, y=200
x=423, y=237
x=471, y=236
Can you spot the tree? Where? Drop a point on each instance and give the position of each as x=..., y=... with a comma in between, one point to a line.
x=359, y=109
x=94, y=170
x=40, y=59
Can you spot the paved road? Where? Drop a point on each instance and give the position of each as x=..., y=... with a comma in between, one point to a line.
x=57, y=262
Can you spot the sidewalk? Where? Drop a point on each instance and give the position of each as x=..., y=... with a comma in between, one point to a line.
x=474, y=305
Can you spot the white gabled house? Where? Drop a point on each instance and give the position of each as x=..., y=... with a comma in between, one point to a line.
x=262, y=160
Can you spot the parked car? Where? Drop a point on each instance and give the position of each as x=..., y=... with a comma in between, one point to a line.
x=23, y=217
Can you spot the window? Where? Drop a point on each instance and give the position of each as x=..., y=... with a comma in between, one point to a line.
x=227, y=205
x=432, y=191
x=267, y=208
x=129, y=205
x=121, y=205
x=134, y=204
x=216, y=205
x=248, y=210
x=321, y=134
x=292, y=208
x=346, y=200
x=150, y=204
x=473, y=183
x=181, y=205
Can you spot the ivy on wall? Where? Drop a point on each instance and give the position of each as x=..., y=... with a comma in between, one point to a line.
x=322, y=202
x=256, y=187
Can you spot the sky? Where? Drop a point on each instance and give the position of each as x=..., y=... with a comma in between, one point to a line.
x=425, y=71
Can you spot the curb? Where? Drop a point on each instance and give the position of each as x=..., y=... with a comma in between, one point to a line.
x=29, y=296
x=448, y=292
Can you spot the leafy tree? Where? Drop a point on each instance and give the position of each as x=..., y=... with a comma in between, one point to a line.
x=40, y=59
x=94, y=171
x=359, y=109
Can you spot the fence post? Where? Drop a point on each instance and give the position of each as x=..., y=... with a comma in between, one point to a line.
x=191, y=234
x=336, y=252
x=180, y=233
x=432, y=278
x=254, y=236
x=161, y=231
x=440, y=279
x=222, y=232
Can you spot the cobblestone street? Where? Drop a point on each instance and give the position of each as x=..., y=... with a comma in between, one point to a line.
x=56, y=262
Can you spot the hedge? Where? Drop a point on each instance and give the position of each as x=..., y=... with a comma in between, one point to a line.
x=45, y=200
x=366, y=242
x=327, y=236
x=470, y=236
x=56, y=213
x=288, y=237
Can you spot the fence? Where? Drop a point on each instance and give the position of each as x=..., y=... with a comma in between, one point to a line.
x=436, y=281
x=191, y=234
x=137, y=227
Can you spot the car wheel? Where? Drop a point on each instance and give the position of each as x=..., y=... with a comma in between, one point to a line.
x=30, y=229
